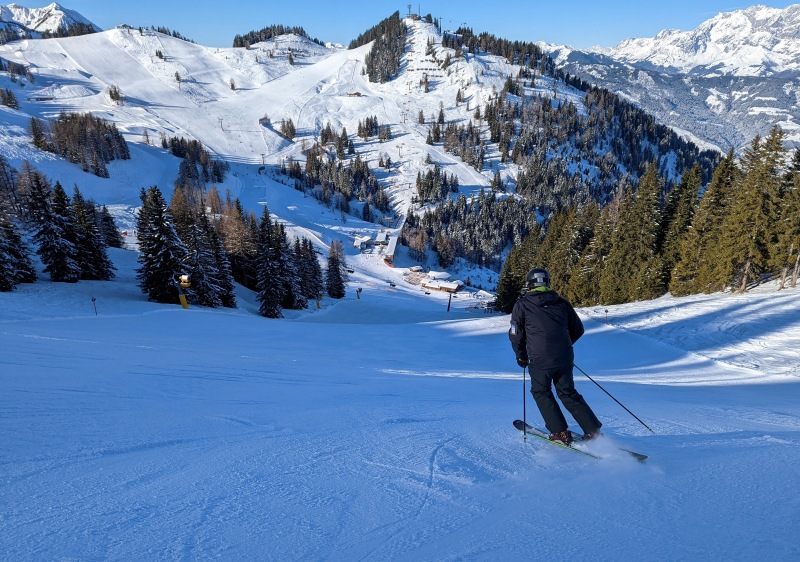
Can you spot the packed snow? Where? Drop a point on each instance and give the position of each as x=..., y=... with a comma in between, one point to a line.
x=379, y=428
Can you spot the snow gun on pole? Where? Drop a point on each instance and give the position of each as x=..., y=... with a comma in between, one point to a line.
x=614, y=399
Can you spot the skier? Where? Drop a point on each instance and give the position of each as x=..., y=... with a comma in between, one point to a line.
x=543, y=328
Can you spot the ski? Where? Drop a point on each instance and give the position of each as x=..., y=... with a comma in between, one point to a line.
x=538, y=433
x=530, y=430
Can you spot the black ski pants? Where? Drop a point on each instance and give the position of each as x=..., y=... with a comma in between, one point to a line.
x=542, y=381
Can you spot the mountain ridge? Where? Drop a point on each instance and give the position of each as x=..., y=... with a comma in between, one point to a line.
x=756, y=41
x=33, y=23
x=721, y=84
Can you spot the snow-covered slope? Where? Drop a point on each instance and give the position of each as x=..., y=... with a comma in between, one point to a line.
x=379, y=428
x=733, y=77
x=234, y=100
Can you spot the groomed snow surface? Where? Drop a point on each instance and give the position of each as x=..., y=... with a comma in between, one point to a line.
x=379, y=428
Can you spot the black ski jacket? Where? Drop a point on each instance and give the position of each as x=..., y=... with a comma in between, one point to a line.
x=543, y=328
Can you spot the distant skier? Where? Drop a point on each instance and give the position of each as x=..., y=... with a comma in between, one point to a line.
x=543, y=328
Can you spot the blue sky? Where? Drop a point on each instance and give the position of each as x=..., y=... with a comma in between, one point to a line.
x=579, y=23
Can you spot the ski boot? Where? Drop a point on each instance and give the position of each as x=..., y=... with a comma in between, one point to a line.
x=564, y=437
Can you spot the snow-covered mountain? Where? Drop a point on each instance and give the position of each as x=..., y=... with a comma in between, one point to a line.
x=733, y=77
x=233, y=101
x=228, y=99
x=758, y=41
x=31, y=22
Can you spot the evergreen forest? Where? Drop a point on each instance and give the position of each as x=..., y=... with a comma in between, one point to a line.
x=214, y=243
x=739, y=229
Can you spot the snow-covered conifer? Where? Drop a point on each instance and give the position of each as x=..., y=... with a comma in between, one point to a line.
x=162, y=254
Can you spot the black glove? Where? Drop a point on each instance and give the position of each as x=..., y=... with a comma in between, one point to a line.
x=522, y=361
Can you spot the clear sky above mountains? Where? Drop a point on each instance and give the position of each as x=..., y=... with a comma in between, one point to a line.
x=579, y=23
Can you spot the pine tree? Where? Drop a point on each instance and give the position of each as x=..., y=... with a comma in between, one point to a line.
x=618, y=269
x=224, y=279
x=677, y=217
x=310, y=270
x=569, y=233
x=270, y=288
x=201, y=268
x=108, y=229
x=15, y=264
x=8, y=279
x=650, y=280
x=634, y=270
x=584, y=287
x=561, y=223
x=334, y=274
x=214, y=203
x=40, y=140
x=520, y=260
x=55, y=233
x=288, y=129
x=8, y=186
x=749, y=230
x=162, y=255
x=183, y=213
x=572, y=247
x=293, y=297
x=143, y=214
x=509, y=284
x=8, y=98
x=787, y=252
x=33, y=189
x=699, y=267
x=241, y=243
x=92, y=255
x=251, y=250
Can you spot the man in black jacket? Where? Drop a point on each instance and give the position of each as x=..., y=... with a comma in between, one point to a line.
x=543, y=328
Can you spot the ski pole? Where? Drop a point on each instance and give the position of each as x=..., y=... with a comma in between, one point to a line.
x=614, y=399
x=524, y=413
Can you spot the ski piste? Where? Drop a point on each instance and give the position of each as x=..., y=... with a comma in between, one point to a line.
x=538, y=433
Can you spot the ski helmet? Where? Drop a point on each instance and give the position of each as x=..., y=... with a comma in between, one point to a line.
x=537, y=277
